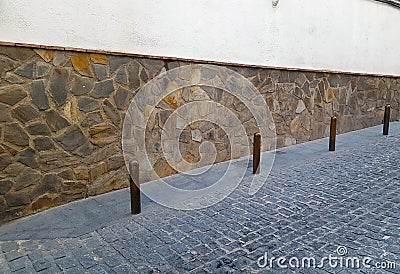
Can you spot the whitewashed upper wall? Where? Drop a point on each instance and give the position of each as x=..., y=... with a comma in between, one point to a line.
x=342, y=35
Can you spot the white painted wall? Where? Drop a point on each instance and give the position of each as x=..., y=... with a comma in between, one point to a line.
x=343, y=35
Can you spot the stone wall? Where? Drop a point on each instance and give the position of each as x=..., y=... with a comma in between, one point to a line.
x=61, y=114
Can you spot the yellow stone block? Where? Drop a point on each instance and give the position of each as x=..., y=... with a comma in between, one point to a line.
x=47, y=55
x=99, y=58
x=81, y=63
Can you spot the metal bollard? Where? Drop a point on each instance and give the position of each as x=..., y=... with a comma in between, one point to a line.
x=134, y=187
x=332, y=138
x=386, y=120
x=256, y=153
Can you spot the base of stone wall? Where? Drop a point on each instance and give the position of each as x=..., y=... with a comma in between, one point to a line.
x=61, y=117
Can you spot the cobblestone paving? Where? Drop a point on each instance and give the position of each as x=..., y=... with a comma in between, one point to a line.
x=349, y=199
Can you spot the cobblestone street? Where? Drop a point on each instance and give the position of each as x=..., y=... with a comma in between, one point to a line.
x=314, y=204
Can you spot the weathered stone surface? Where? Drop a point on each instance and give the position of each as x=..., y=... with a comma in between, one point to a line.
x=133, y=75
x=42, y=69
x=43, y=143
x=59, y=85
x=93, y=118
x=28, y=158
x=45, y=202
x=115, y=162
x=152, y=65
x=111, y=112
x=4, y=113
x=47, y=55
x=38, y=129
x=17, y=198
x=13, y=79
x=6, y=64
x=26, y=179
x=66, y=174
x=38, y=94
x=300, y=107
x=12, y=94
x=116, y=62
x=50, y=183
x=56, y=121
x=71, y=110
x=27, y=70
x=82, y=85
x=81, y=173
x=16, y=53
x=87, y=149
x=122, y=76
x=100, y=71
x=102, y=134
x=25, y=113
x=98, y=170
x=5, y=160
x=120, y=98
x=99, y=58
x=87, y=104
x=14, y=134
x=72, y=138
x=103, y=89
x=61, y=58
x=5, y=186
x=80, y=62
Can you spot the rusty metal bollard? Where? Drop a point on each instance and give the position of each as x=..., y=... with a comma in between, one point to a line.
x=134, y=186
x=256, y=153
x=332, y=138
x=386, y=120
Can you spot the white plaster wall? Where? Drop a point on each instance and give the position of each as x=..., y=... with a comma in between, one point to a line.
x=342, y=35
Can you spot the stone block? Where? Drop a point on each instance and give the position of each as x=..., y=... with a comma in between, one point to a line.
x=38, y=94
x=38, y=129
x=6, y=64
x=28, y=158
x=72, y=138
x=28, y=178
x=111, y=112
x=120, y=98
x=5, y=113
x=12, y=94
x=19, y=198
x=45, y=202
x=59, y=82
x=103, y=89
x=98, y=170
x=116, y=62
x=92, y=119
x=46, y=55
x=14, y=134
x=27, y=70
x=82, y=85
x=67, y=174
x=102, y=134
x=99, y=58
x=81, y=173
x=80, y=62
x=17, y=53
x=25, y=113
x=121, y=77
x=100, y=71
x=55, y=121
x=115, y=162
x=5, y=186
x=42, y=70
x=88, y=104
x=43, y=143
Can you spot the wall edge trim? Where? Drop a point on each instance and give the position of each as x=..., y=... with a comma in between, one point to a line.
x=181, y=59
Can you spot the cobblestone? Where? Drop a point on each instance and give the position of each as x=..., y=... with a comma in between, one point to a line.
x=349, y=198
